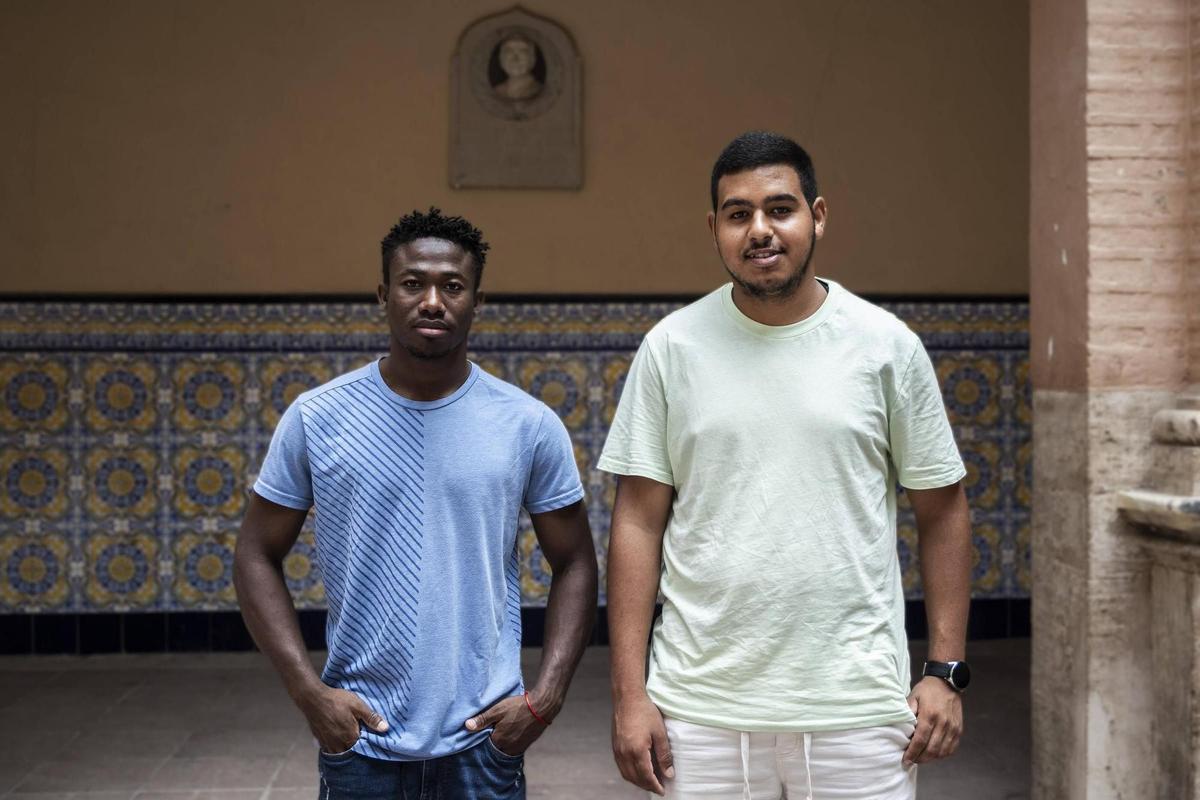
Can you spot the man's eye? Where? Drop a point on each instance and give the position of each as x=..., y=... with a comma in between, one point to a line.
x=454, y=287
x=411, y=284
x=737, y=215
x=781, y=210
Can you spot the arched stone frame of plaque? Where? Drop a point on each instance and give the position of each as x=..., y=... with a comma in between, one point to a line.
x=500, y=142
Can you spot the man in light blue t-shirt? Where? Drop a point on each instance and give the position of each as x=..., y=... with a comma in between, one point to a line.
x=418, y=466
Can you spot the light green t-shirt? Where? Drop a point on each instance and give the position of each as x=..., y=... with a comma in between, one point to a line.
x=783, y=606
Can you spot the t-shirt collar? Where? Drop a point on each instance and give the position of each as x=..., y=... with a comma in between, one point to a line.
x=831, y=301
x=422, y=405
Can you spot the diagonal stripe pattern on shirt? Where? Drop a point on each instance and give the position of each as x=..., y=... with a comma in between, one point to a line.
x=373, y=495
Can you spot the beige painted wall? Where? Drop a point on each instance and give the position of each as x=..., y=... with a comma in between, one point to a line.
x=160, y=147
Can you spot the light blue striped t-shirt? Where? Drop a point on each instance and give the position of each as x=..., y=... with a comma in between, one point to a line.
x=416, y=529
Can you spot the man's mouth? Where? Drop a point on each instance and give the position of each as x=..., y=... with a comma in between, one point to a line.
x=432, y=328
x=763, y=256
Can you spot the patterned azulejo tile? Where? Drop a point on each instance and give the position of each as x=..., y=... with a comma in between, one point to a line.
x=129, y=433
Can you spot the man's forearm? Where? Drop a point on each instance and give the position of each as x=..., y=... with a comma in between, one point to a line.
x=270, y=616
x=570, y=614
x=944, y=531
x=634, y=563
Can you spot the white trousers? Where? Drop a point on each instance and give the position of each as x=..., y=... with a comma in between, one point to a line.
x=720, y=764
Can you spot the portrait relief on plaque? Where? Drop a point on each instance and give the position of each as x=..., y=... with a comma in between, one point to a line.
x=517, y=68
x=516, y=105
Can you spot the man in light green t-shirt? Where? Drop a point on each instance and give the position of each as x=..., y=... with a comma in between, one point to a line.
x=759, y=439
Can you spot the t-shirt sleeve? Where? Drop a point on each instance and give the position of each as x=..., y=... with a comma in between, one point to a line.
x=637, y=439
x=554, y=477
x=285, y=477
x=922, y=442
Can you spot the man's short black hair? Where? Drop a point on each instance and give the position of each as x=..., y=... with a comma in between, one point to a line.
x=434, y=226
x=755, y=149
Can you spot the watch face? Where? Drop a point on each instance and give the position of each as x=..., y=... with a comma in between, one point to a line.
x=960, y=675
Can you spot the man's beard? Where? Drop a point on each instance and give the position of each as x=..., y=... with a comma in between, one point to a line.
x=784, y=290
x=429, y=355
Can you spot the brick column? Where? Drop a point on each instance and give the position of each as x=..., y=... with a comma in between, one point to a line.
x=1112, y=303
x=1193, y=272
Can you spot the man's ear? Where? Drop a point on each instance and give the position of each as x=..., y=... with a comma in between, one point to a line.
x=479, y=298
x=381, y=293
x=820, y=214
x=712, y=227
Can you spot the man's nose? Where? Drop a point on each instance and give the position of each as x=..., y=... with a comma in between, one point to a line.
x=431, y=302
x=760, y=227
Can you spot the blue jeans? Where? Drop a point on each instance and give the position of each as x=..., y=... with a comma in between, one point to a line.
x=478, y=773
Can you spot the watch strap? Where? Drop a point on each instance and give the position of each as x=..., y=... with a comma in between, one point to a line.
x=937, y=669
x=946, y=671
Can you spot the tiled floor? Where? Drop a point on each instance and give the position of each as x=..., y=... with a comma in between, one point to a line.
x=219, y=727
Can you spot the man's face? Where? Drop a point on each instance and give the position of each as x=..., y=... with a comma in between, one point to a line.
x=431, y=297
x=764, y=230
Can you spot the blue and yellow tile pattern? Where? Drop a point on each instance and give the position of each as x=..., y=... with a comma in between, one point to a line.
x=129, y=433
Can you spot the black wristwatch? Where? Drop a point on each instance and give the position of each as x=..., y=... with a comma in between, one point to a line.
x=955, y=673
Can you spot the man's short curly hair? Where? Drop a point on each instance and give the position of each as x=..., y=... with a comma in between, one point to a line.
x=433, y=225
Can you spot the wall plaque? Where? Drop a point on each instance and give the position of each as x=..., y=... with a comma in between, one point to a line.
x=515, y=105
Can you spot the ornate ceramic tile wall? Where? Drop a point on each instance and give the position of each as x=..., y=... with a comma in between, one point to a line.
x=130, y=431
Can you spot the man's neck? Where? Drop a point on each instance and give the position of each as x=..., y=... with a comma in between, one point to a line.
x=798, y=306
x=424, y=379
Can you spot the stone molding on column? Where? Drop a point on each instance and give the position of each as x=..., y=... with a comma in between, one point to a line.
x=1167, y=527
x=1179, y=425
x=1170, y=515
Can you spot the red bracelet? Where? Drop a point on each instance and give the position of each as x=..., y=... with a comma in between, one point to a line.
x=536, y=715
